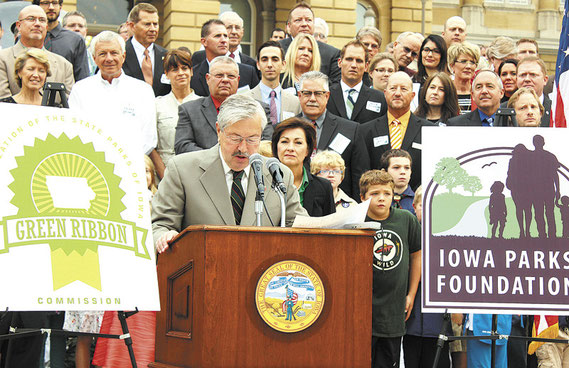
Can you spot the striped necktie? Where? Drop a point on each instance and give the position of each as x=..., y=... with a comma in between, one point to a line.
x=350, y=103
x=237, y=196
x=396, y=136
x=47, y=41
x=489, y=122
x=273, y=107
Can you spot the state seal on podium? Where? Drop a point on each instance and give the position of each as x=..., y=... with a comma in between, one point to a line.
x=289, y=296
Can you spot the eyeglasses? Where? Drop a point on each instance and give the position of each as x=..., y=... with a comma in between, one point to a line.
x=384, y=70
x=237, y=139
x=327, y=172
x=34, y=19
x=466, y=62
x=315, y=93
x=426, y=50
x=370, y=45
x=409, y=51
x=48, y=3
x=228, y=76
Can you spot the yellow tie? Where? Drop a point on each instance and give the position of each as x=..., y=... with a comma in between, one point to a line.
x=396, y=136
x=147, y=67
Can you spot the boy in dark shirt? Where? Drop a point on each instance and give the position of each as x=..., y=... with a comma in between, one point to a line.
x=397, y=163
x=396, y=267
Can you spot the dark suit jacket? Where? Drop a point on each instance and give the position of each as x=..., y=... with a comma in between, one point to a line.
x=131, y=67
x=248, y=77
x=375, y=135
x=199, y=56
x=470, y=119
x=361, y=114
x=545, y=119
x=329, y=56
x=196, y=126
x=332, y=127
x=318, y=197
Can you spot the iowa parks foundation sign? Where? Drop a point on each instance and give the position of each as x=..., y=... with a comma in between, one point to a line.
x=74, y=213
x=496, y=220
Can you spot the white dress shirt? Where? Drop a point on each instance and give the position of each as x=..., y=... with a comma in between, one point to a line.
x=166, y=121
x=126, y=100
x=236, y=54
x=229, y=175
x=346, y=88
x=139, y=51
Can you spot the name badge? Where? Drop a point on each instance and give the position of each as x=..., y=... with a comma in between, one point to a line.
x=128, y=110
x=164, y=79
x=416, y=146
x=373, y=106
x=380, y=141
x=339, y=143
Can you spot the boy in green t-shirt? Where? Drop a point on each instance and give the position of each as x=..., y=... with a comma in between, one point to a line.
x=396, y=267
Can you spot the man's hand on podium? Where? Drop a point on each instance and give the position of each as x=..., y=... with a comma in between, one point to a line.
x=164, y=242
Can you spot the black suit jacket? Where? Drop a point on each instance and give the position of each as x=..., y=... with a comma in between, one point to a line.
x=545, y=119
x=318, y=197
x=361, y=114
x=196, y=126
x=332, y=127
x=470, y=119
x=131, y=67
x=329, y=56
x=375, y=135
x=248, y=77
x=199, y=56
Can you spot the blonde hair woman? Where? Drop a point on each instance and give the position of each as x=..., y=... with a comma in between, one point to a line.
x=31, y=69
x=302, y=56
x=463, y=59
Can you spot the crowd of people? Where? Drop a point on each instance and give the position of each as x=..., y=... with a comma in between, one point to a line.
x=344, y=123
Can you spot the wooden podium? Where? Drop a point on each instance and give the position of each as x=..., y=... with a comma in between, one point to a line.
x=208, y=318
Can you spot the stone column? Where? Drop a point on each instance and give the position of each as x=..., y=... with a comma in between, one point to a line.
x=473, y=14
x=548, y=19
x=268, y=16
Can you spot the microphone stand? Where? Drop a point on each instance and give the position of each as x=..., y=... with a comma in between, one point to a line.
x=282, y=197
x=258, y=208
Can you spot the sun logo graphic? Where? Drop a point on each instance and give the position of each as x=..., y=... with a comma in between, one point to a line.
x=69, y=197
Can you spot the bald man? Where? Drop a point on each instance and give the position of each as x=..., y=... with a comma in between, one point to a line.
x=455, y=30
x=32, y=26
x=399, y=128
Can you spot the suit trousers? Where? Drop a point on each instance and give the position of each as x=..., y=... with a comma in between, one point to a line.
x=29, y=351
x=385, y=352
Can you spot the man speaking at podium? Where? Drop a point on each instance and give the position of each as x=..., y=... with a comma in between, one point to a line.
x=217, y=186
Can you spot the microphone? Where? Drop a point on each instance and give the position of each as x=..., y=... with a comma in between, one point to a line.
x=274, y=168
x=256, y=162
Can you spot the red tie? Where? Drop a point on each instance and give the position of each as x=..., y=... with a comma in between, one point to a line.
x=232, y=55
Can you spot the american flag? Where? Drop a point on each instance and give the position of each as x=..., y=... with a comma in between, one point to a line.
x=292, y=295
x=545, y=327
x=560, y=98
